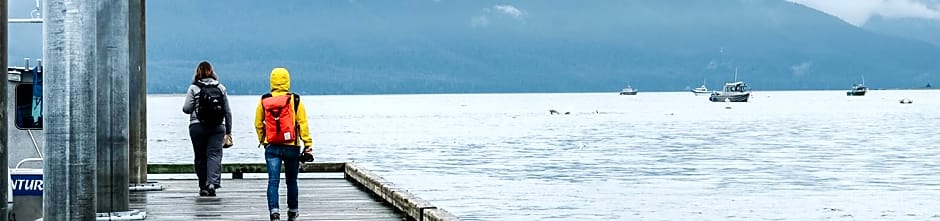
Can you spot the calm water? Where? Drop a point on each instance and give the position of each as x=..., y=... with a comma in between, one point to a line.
x=788, y=155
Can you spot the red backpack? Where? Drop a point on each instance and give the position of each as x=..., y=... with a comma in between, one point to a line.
x=280, y=124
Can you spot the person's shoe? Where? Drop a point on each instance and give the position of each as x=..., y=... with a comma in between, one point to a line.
x=275, y=217
x=291, y=216
x=203, y=192
x=210, y=190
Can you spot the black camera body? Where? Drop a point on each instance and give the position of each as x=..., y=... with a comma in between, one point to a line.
x=306, y=157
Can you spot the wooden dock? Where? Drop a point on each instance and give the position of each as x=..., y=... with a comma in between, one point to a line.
x=355, y=195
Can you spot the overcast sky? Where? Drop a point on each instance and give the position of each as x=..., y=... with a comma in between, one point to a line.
x=857, y=12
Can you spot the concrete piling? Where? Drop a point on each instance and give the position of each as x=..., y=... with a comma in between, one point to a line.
x=69, y=55
x=138, y=92
x=112, y=95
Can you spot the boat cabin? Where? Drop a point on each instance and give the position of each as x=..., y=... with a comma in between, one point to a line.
x=735, y=87
x=24, y=137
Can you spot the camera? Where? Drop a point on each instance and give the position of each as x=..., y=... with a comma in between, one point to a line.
x=306, y=157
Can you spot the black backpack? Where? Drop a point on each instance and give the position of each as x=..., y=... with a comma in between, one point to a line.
x=210, y=104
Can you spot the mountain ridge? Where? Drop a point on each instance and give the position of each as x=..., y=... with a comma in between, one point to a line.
x=425, y=46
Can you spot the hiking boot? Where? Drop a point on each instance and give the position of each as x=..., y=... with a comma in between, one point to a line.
x=275, y=217
x=203, y=192
x=291, y=216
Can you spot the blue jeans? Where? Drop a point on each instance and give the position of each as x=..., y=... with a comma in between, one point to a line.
x=274, y=155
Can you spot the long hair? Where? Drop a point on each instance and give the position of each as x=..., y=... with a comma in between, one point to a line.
x=204, y=70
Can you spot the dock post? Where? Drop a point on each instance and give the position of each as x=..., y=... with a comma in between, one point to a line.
x=69, y=168
x=138, y=92
x=112, y=71
x=4, y=154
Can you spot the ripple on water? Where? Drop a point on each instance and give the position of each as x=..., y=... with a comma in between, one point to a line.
x=502, y=157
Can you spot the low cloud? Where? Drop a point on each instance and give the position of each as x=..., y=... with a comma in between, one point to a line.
x=495, y=11
x=857, y=12
x=801, y=69
x=509, y=10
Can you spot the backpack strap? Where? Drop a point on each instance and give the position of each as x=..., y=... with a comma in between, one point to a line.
x=296, y=102
x=262, y=120
x=296, y=123
x=198, y=95
x=198, y=85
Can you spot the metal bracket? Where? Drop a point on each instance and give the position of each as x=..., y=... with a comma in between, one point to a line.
x=421, y=212
x=149, y=186
x=127, y=215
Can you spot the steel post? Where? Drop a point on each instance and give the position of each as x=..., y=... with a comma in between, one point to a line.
x=4, y=154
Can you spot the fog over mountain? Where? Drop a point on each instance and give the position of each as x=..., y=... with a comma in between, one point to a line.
x=859, y=12
x=914, y=19
x=445, y=46
x=920, y=29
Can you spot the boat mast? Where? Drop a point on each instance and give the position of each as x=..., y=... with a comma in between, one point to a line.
x=735, y=74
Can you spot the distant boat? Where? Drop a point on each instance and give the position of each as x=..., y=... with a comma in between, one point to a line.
x=858, y=89
x=701, y=90
x=736, y=91
x=628, y=91
x=733, y=91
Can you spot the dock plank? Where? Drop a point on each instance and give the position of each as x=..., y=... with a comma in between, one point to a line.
x=245, y=199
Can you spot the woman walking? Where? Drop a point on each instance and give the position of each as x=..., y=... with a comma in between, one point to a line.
x=210, y=120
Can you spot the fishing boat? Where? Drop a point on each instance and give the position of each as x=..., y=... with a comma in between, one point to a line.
x=736, y=91
x=628, y=91
x=24, y=92
x=701, y=90
x=732, y=91
x=858, y=89
x=24, y=123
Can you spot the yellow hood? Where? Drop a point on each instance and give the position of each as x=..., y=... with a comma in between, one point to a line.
x=280, y=80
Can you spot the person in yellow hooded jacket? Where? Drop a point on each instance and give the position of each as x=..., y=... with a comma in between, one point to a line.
x=284, y=148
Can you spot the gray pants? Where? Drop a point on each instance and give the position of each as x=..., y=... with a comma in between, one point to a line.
x=207, y=146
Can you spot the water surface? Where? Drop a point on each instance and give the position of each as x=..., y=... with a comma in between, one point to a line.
x=786, y=155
